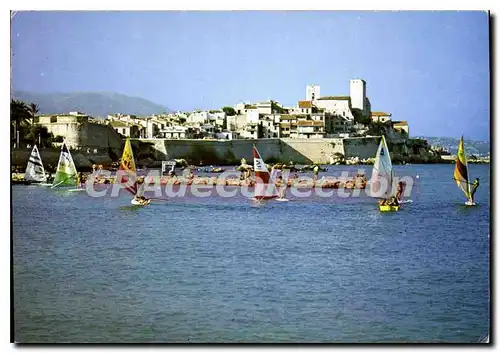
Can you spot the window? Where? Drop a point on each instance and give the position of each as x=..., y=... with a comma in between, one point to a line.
x=53, y=119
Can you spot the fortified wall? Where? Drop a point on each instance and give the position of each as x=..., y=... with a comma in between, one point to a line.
x=104, y=146
x=300, y=151
x=78, y=132
x=89, y=143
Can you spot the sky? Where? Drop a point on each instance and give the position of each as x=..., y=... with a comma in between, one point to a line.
x=428, y=68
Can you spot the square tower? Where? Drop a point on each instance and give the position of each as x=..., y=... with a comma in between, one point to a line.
x=357, y=90
x=312, y=92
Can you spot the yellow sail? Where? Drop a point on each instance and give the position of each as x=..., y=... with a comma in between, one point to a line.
x=461, y=174
x=127, y=168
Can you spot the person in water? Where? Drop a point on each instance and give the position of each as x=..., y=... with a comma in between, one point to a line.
x=473, y=189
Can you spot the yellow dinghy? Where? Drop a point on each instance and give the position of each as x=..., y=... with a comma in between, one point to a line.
x=388, y=208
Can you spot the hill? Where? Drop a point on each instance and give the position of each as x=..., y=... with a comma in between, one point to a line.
x=97, y=104
x=472, y=147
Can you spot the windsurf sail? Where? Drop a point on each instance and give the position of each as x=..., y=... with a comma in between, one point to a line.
x=461, y=172
x=34, y=170
x=381, y=183
x=66, y=174
x=264, y=187
x=128, y=170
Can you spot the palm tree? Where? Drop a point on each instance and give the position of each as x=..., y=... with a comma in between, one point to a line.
x=18, y=115
x=32, y=110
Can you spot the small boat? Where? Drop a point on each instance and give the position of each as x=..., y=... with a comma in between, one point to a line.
x=129, y=176
x=461, y=173
x=388, y=208
x=383, y=176
x=66, y=174
x=264, y=187
x=139, y=202
x=35, y=173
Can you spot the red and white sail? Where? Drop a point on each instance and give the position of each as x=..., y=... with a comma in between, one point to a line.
x=264, y=186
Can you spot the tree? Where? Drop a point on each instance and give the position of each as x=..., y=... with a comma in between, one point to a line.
x=224, y=124
x=377, y=129
x=39, y=134
x=359, y=117
x=229, y=111
x=32, y=110
x=18, y=115
x=58, y=138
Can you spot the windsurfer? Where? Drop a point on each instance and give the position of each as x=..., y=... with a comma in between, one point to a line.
x=316, y=172
x=473, y=189
x=281, y=186
x=140, y=191
x=399, y=194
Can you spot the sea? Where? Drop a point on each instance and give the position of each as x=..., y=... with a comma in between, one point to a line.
x=225, y=270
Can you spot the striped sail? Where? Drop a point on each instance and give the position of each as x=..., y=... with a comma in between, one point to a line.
x=127, y=169
x=381, y=183
x=66, y=174
x=34, y=170
x=263, y=188
x=460, y=173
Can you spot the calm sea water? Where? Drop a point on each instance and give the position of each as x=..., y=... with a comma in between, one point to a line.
x=225, y=270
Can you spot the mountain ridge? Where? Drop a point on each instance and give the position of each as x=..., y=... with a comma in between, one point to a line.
x=93, y=103
x=472, y=147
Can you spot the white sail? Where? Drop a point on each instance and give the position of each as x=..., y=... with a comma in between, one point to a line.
x=66, y=173
x=381, y=183
x=264, y=187
x=34, y=169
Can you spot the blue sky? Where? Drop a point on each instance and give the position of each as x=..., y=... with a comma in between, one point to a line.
x=429, y=68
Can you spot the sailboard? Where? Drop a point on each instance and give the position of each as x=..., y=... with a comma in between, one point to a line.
x=35, y=173
x=66, y=174
x=128, y=173
x=264, y=187
x=461, y=173
x=382, y=180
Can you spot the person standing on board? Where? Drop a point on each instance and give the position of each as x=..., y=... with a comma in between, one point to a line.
x=473, y=189
x=399, y=194
x=281, y=185
x=316, y=172
x=140, y=191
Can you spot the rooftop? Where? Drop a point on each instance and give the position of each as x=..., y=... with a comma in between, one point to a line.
x=400, y=123
x=381, y=114
x=117, y=123
x=334, y=98
x=305, y=104
x=310, y=123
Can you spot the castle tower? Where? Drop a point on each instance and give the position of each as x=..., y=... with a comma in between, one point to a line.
x=357, y=90
x=312, y=92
